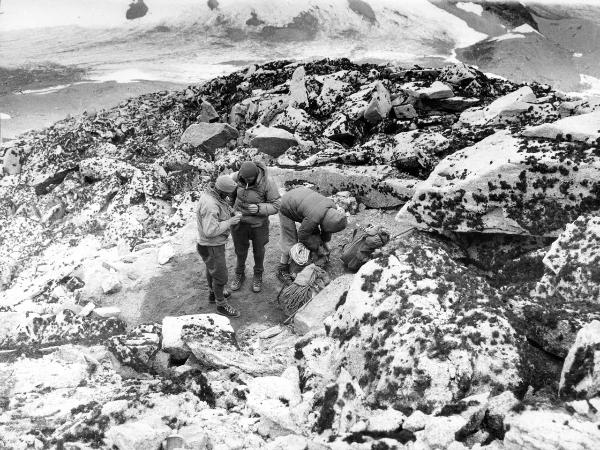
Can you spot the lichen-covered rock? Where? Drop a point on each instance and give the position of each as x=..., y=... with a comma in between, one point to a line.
x=550, y=429
x=138, y=348
x=172, y=328
x=11, y=162
x=580, y=377
x=418, y=330
x=209, y=135
x=102, y=167
x=436, y=91
x=510, y=185
x=207, y=113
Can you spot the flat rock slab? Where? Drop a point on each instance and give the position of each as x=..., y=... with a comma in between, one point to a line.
x=311, y=316
x=209, y=135
x=585, y=127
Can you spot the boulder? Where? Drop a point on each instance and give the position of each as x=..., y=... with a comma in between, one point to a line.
x=499, y=407
x=11, y=161
x=380, y=105
x=333, y=92
x=502, y=185
x=580, y=377
x=419, y=330
x=573, y=262
x=403, y=112
x=172, y=329
x=550, y=429
x=416, y=421
x=512, y=104
x=310, y=317
x=271, y=140
x=455, y=104
x=137, y=435
x=215, y=346
x=207, y=113
x=377, y=186
x=295, y=120
x=274, y=398
x=567, y=296
x=341, y=129
x=98, y=168
x=298, y=94
x=136, y=352
x=576, y=107
x=457, y=74
x=111, y=284
x=209, y=135
x=436, y=91
x=584, y=127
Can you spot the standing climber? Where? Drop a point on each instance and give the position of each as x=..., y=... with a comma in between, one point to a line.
x=214, y=222
x=257, y=197
x=318, y=219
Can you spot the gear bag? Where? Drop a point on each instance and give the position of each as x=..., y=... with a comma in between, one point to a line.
x=362, y=244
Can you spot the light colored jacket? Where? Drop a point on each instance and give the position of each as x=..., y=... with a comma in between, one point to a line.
x=213, y=219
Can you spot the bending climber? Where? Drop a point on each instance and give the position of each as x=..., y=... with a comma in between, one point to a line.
x=318, y=219
x=257, y=197
x=214, y=222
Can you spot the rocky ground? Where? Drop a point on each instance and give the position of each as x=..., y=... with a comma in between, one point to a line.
x=476, y=327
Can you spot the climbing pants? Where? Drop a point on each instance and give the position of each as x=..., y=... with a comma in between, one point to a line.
x=216, y=269
x=242, y=235
x=289, y=237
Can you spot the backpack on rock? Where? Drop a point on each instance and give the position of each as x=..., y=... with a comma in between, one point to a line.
x=362, y=244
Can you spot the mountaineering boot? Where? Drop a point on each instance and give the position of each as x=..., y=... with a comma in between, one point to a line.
x=238, y=279
x=227, y=310
x=211, y=295
x=283, y=274
x=257, y=283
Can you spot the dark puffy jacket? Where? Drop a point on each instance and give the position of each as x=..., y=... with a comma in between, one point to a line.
x=310, y=209
x=263, y=192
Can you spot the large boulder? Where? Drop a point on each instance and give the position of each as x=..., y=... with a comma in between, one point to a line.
x=584, y=127
x=11, y=161
x=378, y=186
x=507, y=184
x=580, y=377
x=209, y=135
x=419, y=330
x=310, y=317
x=271, y=140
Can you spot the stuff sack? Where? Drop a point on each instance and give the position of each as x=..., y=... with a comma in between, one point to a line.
x=311, y=280
x=362, y=244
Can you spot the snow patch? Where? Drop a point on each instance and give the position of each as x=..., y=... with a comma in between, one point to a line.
x=526, y=28
x=508, y=36
x=470, y=7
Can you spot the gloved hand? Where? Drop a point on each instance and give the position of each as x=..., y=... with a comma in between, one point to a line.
x=252, y=208
x=235, y=220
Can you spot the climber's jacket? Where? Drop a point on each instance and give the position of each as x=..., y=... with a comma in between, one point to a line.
x=213, y=215
x=263, y=192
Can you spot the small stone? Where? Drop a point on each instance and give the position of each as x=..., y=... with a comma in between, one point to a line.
x=111, y=284
x=416, y=421
x=165, y=253
x=405, y=112
x=87, y=309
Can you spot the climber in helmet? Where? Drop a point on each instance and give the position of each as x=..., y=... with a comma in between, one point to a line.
x=215, y=221
x=318, y=218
